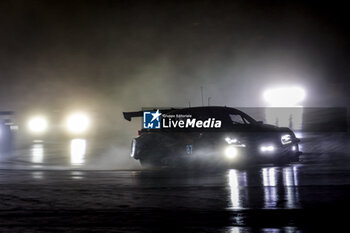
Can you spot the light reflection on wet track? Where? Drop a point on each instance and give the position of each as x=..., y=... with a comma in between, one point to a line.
x=255, y=188
x=60, y=177
x=77, y=151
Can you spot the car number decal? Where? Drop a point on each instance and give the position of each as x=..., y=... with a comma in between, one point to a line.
x=189, y=149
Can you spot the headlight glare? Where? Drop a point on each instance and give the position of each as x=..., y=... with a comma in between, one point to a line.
x=78, y=123
x=37, y=124
x=231, y=152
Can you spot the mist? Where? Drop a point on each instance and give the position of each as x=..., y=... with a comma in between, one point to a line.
x=113, y=56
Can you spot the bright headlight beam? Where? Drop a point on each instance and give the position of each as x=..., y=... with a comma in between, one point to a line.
x=231, y=152
x=37, y=124
x=78, y=123
x=284, y=96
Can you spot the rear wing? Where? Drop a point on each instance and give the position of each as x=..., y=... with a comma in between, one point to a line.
x=129, y=115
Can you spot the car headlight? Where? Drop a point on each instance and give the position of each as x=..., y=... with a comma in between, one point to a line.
x=78, y=123
x=231, y=152
x=267, y=148
x=37, y=124
x=286, y=139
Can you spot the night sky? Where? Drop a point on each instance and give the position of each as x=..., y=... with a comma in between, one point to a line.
x=122, y=55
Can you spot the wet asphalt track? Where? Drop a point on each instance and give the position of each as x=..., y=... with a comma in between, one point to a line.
x=56, y=187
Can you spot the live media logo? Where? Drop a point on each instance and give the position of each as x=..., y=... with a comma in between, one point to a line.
x=151, y=120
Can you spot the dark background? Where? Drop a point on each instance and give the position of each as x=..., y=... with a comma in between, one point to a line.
x=114, y=56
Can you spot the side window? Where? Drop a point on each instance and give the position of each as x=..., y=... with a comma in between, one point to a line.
x=237, y=119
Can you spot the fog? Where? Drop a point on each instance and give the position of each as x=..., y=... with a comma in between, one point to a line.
x=112, y=56
x=69, y=69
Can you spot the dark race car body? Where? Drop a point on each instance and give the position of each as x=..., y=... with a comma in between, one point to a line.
x=240, y=140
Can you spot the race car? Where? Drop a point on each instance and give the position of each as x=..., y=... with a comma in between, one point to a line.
x=231, y=138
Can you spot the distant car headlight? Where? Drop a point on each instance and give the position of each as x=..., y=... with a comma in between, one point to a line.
x=267, y=148
x=231, y=152
x=286, y=139
x=37, y=124
x=78, y=123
